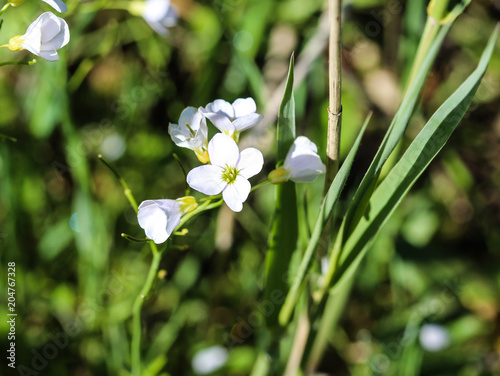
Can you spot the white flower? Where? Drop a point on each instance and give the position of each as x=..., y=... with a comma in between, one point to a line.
x=434, y=337
x=228, y=172
x=159, y=15
x=191, y=133
x=209, y=360
x=302, y=163
x=159, y=218
x=43, y=37
x=231, y=119
x=57, y=5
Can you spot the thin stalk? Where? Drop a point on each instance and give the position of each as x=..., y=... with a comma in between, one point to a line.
x=5, y=137
x=436, y=12
x=334, y=86
x=136, y=312
x=4, y=8
x=126, y=190
x=3, y=63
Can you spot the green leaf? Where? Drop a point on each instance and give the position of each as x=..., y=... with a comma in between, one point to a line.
x=397, y=128
x=284, y=232
x=420, y=153
x=325, y=213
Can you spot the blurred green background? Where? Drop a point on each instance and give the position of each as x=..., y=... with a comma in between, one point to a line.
x=115, y=89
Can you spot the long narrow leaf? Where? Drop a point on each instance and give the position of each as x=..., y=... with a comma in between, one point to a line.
x=396, y=129
x=418, y=156
x=325, y=213
x=284, y=232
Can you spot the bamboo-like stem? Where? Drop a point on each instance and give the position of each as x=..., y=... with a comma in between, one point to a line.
x=334, y=86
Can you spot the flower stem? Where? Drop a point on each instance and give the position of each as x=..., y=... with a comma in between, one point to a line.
x=260, y=185
x=136, y=311
x=30, y=62
x=335, y=83
x=126, y=189
x=5, y=137
x=4, y=8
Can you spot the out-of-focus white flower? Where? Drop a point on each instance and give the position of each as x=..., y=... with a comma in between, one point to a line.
x=159, y=15
x=302, y=163
x=231, y=119
x=159, y=218
x=434, y=337
x=44, y=37
x=228, y=172
x=209, y=360
x=191, y=133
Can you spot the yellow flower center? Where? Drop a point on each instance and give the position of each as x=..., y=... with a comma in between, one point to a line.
x=16, y=43
x=229, y=174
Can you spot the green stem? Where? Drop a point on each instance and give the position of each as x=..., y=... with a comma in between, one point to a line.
x=4, y=8
x=5, y=137
x=126, y=190
x=260, y=185
x=136, y=311
x=436, y=12
x=30, y=62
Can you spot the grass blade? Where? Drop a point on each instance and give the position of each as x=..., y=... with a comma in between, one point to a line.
x=416, y=159
x=284, y=232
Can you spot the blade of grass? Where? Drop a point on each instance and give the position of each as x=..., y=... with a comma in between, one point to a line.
x=418, y=156
x=397, y=127
x=284, y=232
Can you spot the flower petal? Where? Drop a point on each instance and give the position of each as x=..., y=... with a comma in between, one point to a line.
x=206, y=179
x=221, y=107
x=191, y=116
x=153, y=220
x=236, y=194
x=250, y=163
x=221, y=122
x=57, y=5
x=223, y=151
x=159, y=218
x=247, y=121
x=305, y=168
x=244, y=107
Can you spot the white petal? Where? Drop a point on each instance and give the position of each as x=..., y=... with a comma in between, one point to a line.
x=302, y=145
x=155, y=10
x=236, y=194
x=244, y=107
x=191, y=116
x=305, y=168
x=247, y=121
x=223, y=151
x=206, y=179
x=250, y=163
x=57, y=5
x=221, y=122
x=153, y=220
x=220, y=107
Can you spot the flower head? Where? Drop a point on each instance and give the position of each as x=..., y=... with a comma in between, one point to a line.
x=302, y=163
x=228, y=172
x=159, y=218
x=231, y=119
x=191, y=133
x=159, y=15
x=43, y=37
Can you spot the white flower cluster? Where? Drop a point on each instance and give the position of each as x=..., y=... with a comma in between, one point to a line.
x=225, y=168
x=45, y=35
